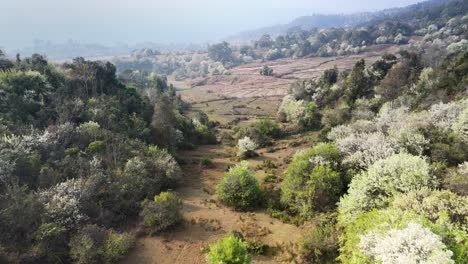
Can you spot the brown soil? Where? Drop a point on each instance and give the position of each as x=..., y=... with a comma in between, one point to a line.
x=206, y=220
x=244, y=95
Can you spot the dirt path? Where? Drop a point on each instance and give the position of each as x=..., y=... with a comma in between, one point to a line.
x=206, y=220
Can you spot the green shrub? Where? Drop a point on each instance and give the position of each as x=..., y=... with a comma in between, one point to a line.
x=380, y=222
x=162, y=213
x=239, y=187
x=383, y=180
x=312, y=182
x=52, y=242
x=266, y=71
x=117, y=246
x=229, y=250
x=311, y=119
x=205, y=134
x=93, y=244
x=97, y=146
x=268, y=128
x=206, y=163
x=262, y=132
x=72, y=151
x=320, y=243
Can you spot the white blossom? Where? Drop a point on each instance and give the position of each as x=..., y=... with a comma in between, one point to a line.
x=292, y=108
x=385, y=178
x=414, y=244
x=246, y=145
x=62, y=203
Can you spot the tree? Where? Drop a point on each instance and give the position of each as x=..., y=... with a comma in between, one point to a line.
x=220, y=52
x=239, y=187
x=312, y=183
x=413, y=244
x=161, y=213
x=164, y=121
x=229, y=250
x=384, y=179
x=359, y=84
x=266, y=71
x=265, y=41
x=246, y=147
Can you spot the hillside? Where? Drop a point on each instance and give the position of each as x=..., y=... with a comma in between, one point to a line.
x=339, y=145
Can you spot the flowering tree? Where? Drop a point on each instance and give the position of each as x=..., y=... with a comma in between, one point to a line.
x=373, y=188
x=293, y=109
x=246, y=147
x=62, y=203
x=412, y=244
x=435, y=205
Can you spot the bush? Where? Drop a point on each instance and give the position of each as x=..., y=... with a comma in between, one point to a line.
x=384, y=179
x=457, y=181
x=320, y=243
x=414, y=243
x=162, y=213
x=87, y=245
x=206, y=163
x=261, y=132
x=291, y=110
x=247, y=148
x=312, y=182
x=97, y=146
x=267, y=128
x=435, y=204
x=93, y=244
x=117, y=246
x=229, y=250
x=378, y=233
x=266, y=71
x=239, y=187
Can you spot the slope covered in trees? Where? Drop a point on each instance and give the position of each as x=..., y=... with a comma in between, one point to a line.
x=80, y=150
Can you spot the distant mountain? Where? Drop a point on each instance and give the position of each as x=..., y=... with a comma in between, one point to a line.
x=305, y=22
x=322, y=21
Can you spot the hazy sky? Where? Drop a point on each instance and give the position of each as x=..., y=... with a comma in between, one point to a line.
x=165, y=21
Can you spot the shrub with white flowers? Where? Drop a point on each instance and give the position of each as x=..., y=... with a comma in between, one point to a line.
x=384, y=179
x=412, y=244
x=62, y=203
x=293, y=109
x=434, y=204
x=246, y=147
x=460, y=125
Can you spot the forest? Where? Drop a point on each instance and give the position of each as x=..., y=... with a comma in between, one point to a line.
x=366, y=164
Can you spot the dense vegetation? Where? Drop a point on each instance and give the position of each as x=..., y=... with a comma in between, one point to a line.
x=85, y=151
x=80, y=150
x=437, y=25
x=395, y=152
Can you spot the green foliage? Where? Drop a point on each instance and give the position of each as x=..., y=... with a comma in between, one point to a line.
x=266, y=71
x=381, y=221
x=23, y=98
x=97, y=146
x=117, y=246
x=376, y=187
x=311, y=119
x=162, y=213
x=205, y=134
x=93, y=244
x=262, y=132
x=229, y=250
x=312, y=182
x=220, y=52
x=319, y=242
x=206, y=163
x=52, y=242
x=239, y=187
x=359, y=83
